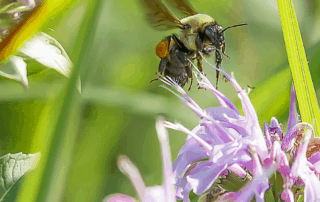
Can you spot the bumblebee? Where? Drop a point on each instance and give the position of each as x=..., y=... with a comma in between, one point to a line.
x=199, y=33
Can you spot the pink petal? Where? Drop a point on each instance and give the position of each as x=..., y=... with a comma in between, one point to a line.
x=119, y=198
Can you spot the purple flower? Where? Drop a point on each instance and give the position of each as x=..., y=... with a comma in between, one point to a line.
x=223, y=136
x=161, y=193
x=227, y=141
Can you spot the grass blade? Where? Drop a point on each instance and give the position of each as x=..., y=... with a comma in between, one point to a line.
x=57, y=143
x=307, y=100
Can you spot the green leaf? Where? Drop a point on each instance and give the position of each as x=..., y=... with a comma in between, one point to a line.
x=47, y=51
x=278, y=186
x=306, y=96
x=15, y=69
x=42, y=49
x=269, y=195
x=13, y=167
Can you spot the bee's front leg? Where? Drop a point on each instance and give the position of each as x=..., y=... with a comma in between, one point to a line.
x=198, y=43
x=218, y=62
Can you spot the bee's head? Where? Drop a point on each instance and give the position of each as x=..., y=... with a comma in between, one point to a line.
x=215, y=34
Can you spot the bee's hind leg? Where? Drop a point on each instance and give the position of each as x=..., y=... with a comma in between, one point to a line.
x=189, y=89
x=159, y=74
x=154, y=80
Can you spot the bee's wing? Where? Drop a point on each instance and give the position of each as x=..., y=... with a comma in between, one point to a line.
x=159, y=15
x=184, y=6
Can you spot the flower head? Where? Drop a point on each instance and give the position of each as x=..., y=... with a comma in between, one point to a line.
x=223, y=136
x=227, y=141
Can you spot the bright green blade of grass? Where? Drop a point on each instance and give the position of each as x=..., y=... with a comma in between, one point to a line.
x=308, y=104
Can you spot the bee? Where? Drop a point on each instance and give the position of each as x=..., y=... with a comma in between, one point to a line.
x=199, y=33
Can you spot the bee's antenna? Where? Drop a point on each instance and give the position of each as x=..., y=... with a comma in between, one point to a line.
x=233, y=26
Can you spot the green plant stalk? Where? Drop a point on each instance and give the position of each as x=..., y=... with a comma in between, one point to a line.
x=52, y=180
x=307, y=100
x=57, y=144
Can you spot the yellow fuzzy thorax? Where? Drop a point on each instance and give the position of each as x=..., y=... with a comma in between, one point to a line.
x=196, y=22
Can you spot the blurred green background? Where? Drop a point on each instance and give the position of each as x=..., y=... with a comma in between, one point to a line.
x=119, y=104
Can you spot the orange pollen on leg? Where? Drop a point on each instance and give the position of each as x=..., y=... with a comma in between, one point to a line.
x=162, y=49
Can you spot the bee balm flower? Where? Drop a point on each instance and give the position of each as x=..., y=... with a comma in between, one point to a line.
x=227, y=141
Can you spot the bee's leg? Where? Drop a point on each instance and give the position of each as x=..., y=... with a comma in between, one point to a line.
x=199, y=59
x=226, y=55
x=154, y=80
x=189, y=74
x=163, y=64
x=189, y=89
x=198, y=43
x=223, y=48
x=218, y=62
x=217, y=75
x=158, y=76
x=162, y=68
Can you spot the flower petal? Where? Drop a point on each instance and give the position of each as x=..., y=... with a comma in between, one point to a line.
x=119, y=198
x=293, y=115
x=315, y=160
x=203, y=176
x=222, y=99
x=132, y=172
x=236, y=168
x=155, y=194
x=287, y=195
x=267, y=135
x=183, y=190
x=168, y=181
x=258, y=185
x=188, y=157
x=300, y=168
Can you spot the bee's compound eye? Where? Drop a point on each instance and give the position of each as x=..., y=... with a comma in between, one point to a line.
x=162, y=49
x=186, y=27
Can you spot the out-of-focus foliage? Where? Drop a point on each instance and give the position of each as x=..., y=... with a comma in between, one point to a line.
x=119, y=104
x=40, y=48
